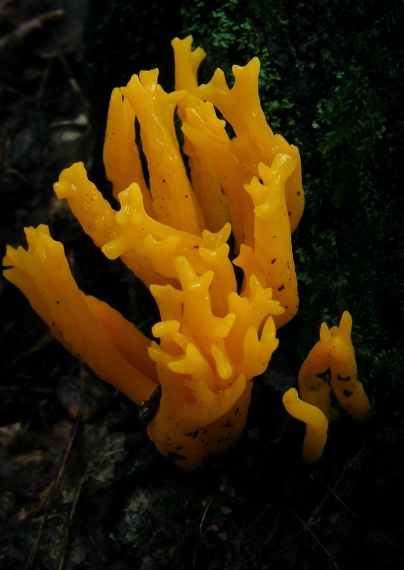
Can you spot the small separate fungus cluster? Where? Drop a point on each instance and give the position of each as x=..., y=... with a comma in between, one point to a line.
x=333, y=352
x=172, y=231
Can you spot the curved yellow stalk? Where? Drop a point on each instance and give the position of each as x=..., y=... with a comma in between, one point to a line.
x=43, y=275
x=316, y=425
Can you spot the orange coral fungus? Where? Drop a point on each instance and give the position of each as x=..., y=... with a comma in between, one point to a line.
x=172, y=232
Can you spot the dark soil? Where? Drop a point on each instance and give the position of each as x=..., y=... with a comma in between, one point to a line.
x=95, y=494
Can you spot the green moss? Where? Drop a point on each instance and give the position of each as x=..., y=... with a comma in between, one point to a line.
x=330, y=82
x=232, y=33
